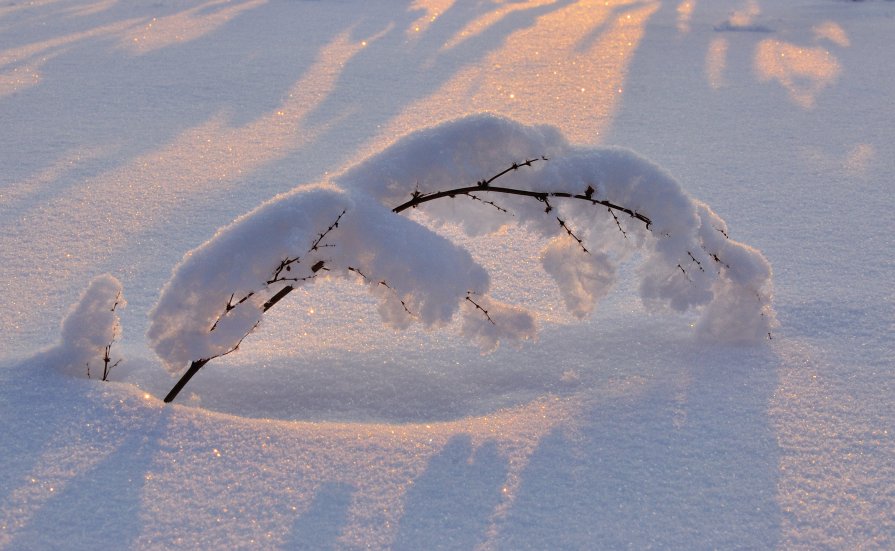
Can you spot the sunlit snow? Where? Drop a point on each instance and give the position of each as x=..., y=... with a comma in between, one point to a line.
x=141, y=142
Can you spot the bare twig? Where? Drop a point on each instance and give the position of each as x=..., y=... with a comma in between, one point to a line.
x=230, y=306
x=401, y=300
x=107, y=366
x=492, y=203
x=358, y=272
x=698, y=263
x=107, y=350
x=199, y=364
x=286, y=264
x=484, y=186
x=617, y=223
x=514, y=166
x=320, y=237
x=479, y=307
x=387, y=286
x=563, y=225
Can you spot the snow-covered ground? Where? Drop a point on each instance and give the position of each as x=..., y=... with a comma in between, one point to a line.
x=131, y=132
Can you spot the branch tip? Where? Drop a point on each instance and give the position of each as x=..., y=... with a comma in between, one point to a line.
x=479, y=307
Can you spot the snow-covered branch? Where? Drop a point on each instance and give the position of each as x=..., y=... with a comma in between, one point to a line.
x=348, y=228
x=91, y=328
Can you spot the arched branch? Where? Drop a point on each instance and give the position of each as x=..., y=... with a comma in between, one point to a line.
x=417, y=198
x=543, y=196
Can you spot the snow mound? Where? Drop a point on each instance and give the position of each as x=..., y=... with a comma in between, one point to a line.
x=600, y=206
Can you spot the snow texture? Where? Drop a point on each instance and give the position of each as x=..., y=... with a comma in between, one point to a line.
x=132, y=132
x=218, y=293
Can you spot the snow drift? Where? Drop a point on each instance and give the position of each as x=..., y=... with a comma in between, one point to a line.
x=346, y=228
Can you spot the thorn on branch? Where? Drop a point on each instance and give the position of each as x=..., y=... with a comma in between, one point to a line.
x=589, y=192
x=479, y=307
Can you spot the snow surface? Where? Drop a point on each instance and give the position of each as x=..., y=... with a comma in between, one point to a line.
x=133, y=132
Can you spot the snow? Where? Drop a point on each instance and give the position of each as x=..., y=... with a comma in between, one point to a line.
x=133, y=134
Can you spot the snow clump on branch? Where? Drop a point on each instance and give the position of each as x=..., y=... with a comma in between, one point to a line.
x=90, y=328
x=411, y=268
